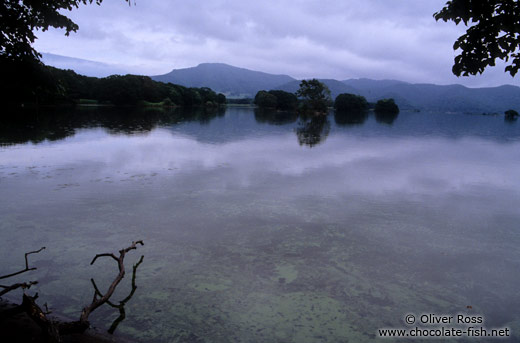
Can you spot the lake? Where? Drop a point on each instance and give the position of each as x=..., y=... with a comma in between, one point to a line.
x=262, y=226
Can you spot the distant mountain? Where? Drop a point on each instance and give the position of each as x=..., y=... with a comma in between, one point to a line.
x=240, y=82
x=224, y=78
x=83, y=67
x=455, y=98
x=365, y=86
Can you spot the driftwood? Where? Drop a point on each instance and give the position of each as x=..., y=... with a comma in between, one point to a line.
x=51, y=330
x=23, y=285
x=122, y=303
x=98, y=301
x=26, y=265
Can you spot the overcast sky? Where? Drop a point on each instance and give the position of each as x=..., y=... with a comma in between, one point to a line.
x=377, y=39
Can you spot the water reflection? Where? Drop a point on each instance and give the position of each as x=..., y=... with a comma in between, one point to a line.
x=386, y=117
x=312, y=131
x=274, y=117
x=254, y=238
x=59, y=123
x=351, y=118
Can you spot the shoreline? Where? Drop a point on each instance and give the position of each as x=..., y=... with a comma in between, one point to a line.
x=21, y=329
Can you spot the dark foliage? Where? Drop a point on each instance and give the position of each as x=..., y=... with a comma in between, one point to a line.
x=494, y=32
x=25, y=81
x=285, y=101
x=386, y=106
x=276, y=99
x=21, y=18
x=221, y=99
x=313, y=131
x=351, y=103
x=315, y=96
x=240, y=101
x=511, y=115
x=265, y=100
x=31, y=83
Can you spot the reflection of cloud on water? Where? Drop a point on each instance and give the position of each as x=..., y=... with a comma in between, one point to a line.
x=399, y=222
x=345, y=164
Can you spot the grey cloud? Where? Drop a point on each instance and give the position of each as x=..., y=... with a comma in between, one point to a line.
x=309, y=38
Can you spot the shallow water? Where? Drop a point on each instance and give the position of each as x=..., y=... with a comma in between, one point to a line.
x=260, y=227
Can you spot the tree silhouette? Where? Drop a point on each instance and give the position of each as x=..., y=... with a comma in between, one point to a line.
x=20, y=18
x=315, y=95
x=493, y=32
x=350, y=102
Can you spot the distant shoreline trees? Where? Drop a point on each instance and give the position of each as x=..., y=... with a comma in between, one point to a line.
x=386, y=106
x=312, y=96
x=511, y=115
x=349, y=108
x=350, y=102
x=43, y=85
x=27, y=82
x=386, y=111
x=315, y=96
x=276, y=99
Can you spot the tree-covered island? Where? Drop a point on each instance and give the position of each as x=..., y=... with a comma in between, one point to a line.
x=313, y=98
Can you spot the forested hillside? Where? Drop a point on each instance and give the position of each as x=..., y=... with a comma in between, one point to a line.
x=33, y=84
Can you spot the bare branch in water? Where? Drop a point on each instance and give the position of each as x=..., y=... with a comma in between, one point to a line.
x=51, y=330
x=26, y=265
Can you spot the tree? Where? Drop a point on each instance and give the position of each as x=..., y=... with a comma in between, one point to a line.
x=221, y=99
x=207, y=95
x=285, y=101
x=276, y=99
x=511, y=115
x=24, y=78
x=264, y=99
x=192, y=97
x=175, y=94
x=386, y=106
x=494, y=32
x=351, y=103
x=386, y=111
x=20, y=18
x=316, y=95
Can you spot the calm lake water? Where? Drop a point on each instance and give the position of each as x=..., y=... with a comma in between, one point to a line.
x=263, y=227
